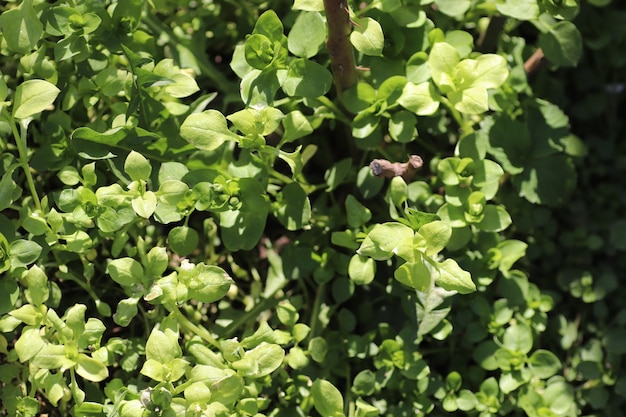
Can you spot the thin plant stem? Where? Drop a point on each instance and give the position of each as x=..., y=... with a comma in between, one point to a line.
x=20, y=140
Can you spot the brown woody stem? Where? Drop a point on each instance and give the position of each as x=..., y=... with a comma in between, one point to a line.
x=338, y=44
x=384, y=168
x=536, y=62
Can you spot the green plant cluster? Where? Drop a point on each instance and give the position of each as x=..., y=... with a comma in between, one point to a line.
x=210, y=209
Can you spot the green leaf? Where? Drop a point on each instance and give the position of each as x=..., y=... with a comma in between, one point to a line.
x=52, y=356
x=137, y=167
x=442, y=59
x=422, y=99
x=518, y=338
x=544, y=364
x=206, y=283
x=242, y=229
x=358, y=215
x=495, y=219
x=260, y=361
x=454, y=8
x=414, y=275
x=361, y=269
x=294, y=212
x=562, y=44
x=207, y=130
x=29, y=344
x=452, y=277
x=37, y=283
x=367, y=36
x=162, y=346
x=473, y=100
x=9, y=190
x=296, y=125
x=386, y=240
x=488, y=70
x=402, y=126
x=437, y=234
x=260, y=51
x=258, y=88
x=183, y=240
x=269, y=24
x=21, y=29
x=327, y=399
x=23, y=252
x=309, y=5
x=125, y=312
x=307, y=79
x=91, y=369
x=417, y=71
x=252, y=121
x=111, y=81
x=32, y=97
x=364, y=383
x=307, y=34
x=144, y=204
x=198, y=392
x=461, y=40
x=519, y=9
x=125, y=271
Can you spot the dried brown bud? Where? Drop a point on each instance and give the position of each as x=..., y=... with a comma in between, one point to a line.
x=406, y=170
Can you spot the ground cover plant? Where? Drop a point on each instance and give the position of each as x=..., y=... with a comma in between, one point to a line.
x=311, y=208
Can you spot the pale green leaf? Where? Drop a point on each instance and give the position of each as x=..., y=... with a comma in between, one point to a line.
x=307, y=34
x=309, y=5
x=452, y=277
x=32, y=97
x=442, y=59
x=260, y=361
x=207, y=130
x=422, y=99
x=21, y=29
x=519, y=9
x=386, y=240
x=327, y=399
x=367, y=36
x=361, y=269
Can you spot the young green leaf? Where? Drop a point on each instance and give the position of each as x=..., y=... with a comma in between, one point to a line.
x=125, y=271
x=207, y=130
x=422, y=99
x=32, y=97
x=21, y=28
x=327, y=399
x=183, y=240
x=307, y=34
x=260, y=361
x=386, y=240
x=137, y=166
x=562, y=44
x=361, y=269
x=367, y=36
x=414, y=275
x=452, y=277
x=307, y=79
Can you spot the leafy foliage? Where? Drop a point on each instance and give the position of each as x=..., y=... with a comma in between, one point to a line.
x=206, y=209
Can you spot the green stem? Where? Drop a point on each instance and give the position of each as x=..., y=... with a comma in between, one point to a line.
x=22, y=149
x=190, y=327
x=317, y=303
x=464, y=126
